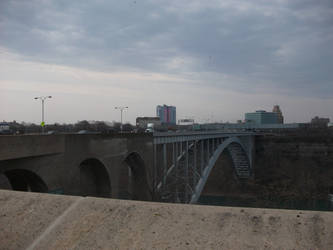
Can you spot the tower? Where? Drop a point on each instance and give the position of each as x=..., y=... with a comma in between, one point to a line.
x=276, y=109
x=166, y=113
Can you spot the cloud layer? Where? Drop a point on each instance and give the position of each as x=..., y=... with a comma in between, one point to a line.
x=281, y=48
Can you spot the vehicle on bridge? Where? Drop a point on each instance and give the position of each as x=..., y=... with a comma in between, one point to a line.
x=5, y=129
x=150, y=128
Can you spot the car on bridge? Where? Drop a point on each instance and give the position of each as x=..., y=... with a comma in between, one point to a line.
x=5, y=129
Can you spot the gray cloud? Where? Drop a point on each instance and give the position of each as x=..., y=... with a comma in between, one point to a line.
x=273, y=46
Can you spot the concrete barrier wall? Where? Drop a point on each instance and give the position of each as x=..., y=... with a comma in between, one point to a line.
x=44, y=221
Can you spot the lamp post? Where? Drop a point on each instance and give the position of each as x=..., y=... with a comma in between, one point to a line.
x=42, y=98
x=121, y=116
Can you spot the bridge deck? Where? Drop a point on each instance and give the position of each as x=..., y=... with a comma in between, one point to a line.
x=170, y=137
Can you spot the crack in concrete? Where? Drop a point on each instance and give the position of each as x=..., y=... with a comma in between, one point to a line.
x=55, y=223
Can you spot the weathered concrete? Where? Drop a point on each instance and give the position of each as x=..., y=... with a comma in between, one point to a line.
x=74, y=164
x=44, y=221
x=14, y=147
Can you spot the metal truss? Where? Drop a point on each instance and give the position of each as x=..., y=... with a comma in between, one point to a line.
x=183, y=161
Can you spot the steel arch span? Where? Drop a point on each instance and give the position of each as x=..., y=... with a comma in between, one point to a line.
x=239, y=157
x=186, y=163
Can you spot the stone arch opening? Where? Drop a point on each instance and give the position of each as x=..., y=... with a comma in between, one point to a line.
x=133, y=179
x=25, y=180
x=4, y=182
x=94, y=179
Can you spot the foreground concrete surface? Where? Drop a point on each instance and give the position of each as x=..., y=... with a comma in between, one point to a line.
x=45, y=221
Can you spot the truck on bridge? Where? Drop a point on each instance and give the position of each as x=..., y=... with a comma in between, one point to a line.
x=150, y=128
x=5, y=129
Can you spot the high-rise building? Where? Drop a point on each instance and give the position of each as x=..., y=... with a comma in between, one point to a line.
x=261, y=117
x=167, y=114
x=276, y=109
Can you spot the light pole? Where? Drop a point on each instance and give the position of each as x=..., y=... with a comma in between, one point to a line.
x=121, y=116
x=42, y=98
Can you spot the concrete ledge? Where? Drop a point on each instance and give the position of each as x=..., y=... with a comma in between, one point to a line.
x=44, y=221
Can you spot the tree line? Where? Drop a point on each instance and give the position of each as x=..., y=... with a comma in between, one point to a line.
x=96, y=126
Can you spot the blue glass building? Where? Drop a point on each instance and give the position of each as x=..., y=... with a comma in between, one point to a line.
x=262, y=117
x=167, y=114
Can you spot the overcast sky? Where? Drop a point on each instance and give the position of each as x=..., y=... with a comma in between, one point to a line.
x=213, y=60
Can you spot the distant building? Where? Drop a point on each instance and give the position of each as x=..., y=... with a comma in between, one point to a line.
x=167, y=114
x=142, y=122
x=262, y=117
x=276, y=109
x=319, y=122
x=185, y=122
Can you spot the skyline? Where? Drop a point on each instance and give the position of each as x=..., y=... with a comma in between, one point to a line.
x=219, y=59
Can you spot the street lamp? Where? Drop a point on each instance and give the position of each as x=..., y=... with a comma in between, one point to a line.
x=42, y=98
x=121, y=116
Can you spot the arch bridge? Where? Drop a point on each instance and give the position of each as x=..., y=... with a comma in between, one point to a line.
x=172, y=167
x=183, y=162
